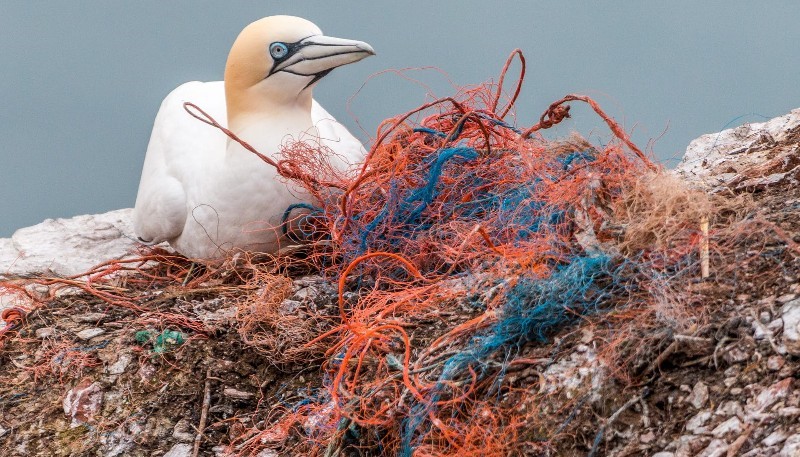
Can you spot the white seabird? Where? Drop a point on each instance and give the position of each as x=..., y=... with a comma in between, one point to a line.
x=204, y=193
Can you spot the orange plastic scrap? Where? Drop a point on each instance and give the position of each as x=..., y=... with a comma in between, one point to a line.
x=13, y=319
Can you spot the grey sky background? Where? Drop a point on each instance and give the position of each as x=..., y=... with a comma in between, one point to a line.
x=81, y=81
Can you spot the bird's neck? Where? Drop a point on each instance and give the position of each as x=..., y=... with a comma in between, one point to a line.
x=262, y=103
x=289, y=121
x=267, y=126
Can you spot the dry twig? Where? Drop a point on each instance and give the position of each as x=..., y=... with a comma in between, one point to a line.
x=203, y=414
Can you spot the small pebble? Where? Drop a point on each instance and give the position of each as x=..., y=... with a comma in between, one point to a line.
x=89, y=333
x=699, y=395
x=89, y=318
x=775, y=362
x=179, y=450
x=44, y=332
x=736, y=355
x=648, y=437
x=776, y=437
x=237, y=394
x=730, y=427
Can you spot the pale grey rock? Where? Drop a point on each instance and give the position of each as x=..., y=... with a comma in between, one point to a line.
x=22, y=448
x=766, y=398
x=44, y=332
x=179, y=450
x=183, y=431
x=721, y=158
x=730, y=427
x=699, y=395
x=89, y=318
x=736, y=355
x=697, y=424
x=776, y=437
x=789, y=411
x=89, y=333
x=761, y=452
x=120, y=365
x=290, y=306
x=791, y=326
x=689, y=445
x=117, y=443
x=8, y=253
x=791, y=448
x=730, y=408
x=663, y=454
x=306, y=294
x=236, y=394
x=68, y=246
x=716, y=448
x=761, y=332
x=225, y=409
x=647, y=437
x=571, y=375
x=775, y=363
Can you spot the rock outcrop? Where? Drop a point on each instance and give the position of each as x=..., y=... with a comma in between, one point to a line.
x=68, y=247
x=749, y=157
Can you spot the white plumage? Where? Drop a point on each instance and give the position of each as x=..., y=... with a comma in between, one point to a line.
x=204, y=193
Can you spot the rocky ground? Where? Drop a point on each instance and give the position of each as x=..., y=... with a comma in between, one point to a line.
x=81, y=377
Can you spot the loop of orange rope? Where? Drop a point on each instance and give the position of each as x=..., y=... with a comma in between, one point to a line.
x=556, y=112
x=13, y=318
x=518, y=53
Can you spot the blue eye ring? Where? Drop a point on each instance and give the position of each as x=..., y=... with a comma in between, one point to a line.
x=278, y=50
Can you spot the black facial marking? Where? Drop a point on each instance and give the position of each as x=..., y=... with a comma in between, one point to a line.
x=319, y=76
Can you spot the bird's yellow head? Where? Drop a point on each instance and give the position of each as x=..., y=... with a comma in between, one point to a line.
x=276, y=61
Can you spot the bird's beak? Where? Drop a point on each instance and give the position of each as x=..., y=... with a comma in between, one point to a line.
x=318, y=55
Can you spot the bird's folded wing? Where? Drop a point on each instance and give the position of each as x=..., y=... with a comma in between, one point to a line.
x=179, y=155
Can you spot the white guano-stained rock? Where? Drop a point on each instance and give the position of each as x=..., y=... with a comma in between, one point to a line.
x=791, y=326
x=750, y=156
x=68, y=246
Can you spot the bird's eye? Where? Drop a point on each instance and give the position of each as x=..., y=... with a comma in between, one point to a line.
x=278, y=50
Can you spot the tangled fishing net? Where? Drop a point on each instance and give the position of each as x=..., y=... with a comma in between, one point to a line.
x=459, y=208
x=461, y=246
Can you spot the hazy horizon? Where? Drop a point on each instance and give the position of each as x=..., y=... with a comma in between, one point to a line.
x=82, y=81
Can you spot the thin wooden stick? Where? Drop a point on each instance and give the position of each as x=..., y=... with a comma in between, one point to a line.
x=704, y=266
x=203, y=414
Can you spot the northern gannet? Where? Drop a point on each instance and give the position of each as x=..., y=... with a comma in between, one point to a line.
x=204, y=193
